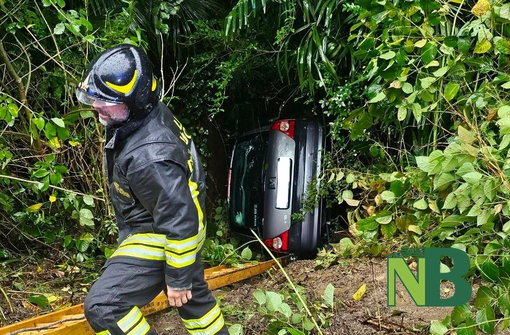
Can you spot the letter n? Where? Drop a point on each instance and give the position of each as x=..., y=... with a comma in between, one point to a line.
x=415, y=286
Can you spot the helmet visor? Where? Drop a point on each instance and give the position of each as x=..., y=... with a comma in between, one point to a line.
x=89, y=100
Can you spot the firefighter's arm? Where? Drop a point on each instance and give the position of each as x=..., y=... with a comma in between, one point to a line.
x=163, y=188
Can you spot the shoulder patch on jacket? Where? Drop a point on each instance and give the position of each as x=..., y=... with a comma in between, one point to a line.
x=121, y=191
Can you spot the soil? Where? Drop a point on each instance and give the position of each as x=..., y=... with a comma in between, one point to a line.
x=350, y=316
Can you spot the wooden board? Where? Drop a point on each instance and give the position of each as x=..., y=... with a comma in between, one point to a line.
x=216, y=277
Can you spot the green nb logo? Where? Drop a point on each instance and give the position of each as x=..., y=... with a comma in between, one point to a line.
x=425, y=287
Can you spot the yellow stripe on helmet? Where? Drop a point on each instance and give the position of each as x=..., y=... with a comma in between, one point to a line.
x=124, y=88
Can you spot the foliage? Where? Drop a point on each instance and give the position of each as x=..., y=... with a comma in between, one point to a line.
x=286, y=313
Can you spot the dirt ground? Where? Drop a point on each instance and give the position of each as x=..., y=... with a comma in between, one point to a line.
x=350, y=317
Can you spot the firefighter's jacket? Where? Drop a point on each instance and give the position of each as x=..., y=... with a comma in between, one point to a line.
x=157, y=186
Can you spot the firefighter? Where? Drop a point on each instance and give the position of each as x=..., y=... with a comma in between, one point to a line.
x=157, y=187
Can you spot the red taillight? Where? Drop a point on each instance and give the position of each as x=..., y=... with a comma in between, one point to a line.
x=278, y=243
x=285, y=126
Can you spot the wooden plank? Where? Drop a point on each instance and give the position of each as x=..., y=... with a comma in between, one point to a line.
x=216, y=277
x=238, y=275
x=51, y=317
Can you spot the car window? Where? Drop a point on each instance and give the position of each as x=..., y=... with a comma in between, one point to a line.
x=247, y=184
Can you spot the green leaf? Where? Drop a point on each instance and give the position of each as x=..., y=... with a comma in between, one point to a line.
x=440, y=72
x=429, y=52
x=437, y=328
x=407, y=88
x=307, y=324
x=89, y=38
x=388, y=55
x=490, y=271
x=423, y=163
x=450, y=201
x=379, y=97
x=506, y=227
x=504, y=112
x=88, y=200
x=490, y=189
x=345, y=246
x=388, y=230
x=13, y=109
x=443, y=181
x=484, y=315
x=483, y=218
x=285, y=310
x=436, y=162
x=504, y=142
x=41, y=173
x=384, y=220
x=472, y=178
x=466, y=136
x=502, y=45
x=482, y=46
x=504, y=12
x=465, y=168
x=59, y=29
x=451, y=90
x=426, y=82
x=401, y=113
x=86, y=217
x=273, y=301
x=39, y=122
x=296, y=318
x=450, y=163
x=329, y=294
x=483, y=297
x=421, y=204
x=460, y=314
x=347, y=194
x=246, y=253
x=58, y=122
x=388, y=196
x=467, y=331
x=39, y=300
x=236, y=329
x=260, y=297
x=475, y=210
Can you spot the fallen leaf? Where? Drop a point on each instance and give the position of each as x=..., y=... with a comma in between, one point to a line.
x=360, y=292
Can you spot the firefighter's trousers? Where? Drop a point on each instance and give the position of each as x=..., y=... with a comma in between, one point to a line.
x=112, y=305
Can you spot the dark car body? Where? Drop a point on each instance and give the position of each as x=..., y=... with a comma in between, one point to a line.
x=269, y=173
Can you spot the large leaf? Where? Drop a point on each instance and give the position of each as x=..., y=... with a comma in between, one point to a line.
x=484, y=315
x=443, y=181
x=483, y=297
x=437, y=328
x=460, y=314
x=329, y=294
x=451, y=90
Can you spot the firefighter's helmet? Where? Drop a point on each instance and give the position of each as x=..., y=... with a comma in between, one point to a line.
x=122, y=74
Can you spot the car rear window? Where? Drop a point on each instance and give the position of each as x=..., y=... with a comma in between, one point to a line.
x=247, y=181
